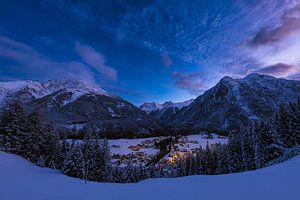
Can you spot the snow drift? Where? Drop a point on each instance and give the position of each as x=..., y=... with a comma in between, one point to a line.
x=19, y=179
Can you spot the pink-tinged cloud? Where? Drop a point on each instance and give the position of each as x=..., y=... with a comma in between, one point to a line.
x=166, y=60
x=279, y=70
x=96, y=60
x=290, y=23
x=34, y=66
x=189, y=82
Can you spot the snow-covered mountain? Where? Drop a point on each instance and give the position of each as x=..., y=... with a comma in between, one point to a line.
x=234, y=102
x=228, y=105
x=149, y=107
x=34, y=89
x=163, y=112
x=74, y=104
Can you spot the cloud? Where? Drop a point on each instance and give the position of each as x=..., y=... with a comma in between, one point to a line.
x=290, y=23
x=190, y=82
x=277, y=49
x=166, y=60
x=33, y=65
x=96, y=60
x=279, y=70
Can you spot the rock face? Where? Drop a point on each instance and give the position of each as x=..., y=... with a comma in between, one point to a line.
x=75, y=105
x=164, y=112
x=234, y=102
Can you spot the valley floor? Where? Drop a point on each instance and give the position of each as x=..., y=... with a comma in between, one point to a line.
x=20, y=179
x=141, y=151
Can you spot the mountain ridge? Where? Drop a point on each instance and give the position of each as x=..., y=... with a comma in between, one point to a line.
x=71, y=104
x=149, y=107
x=163, y=112
x=235, y=102
x=230, y=104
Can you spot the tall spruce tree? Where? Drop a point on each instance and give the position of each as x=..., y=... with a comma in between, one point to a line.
x=248, y=151
x=97, y=158
x=106, y=161
x=235, y=161
x=91, y=157
x=74, y=163
x=286, y=127
x=294, y=111
x=221, y=160
x=12, y=122
x=129, y=175
x=210, y=159
x=63, y=149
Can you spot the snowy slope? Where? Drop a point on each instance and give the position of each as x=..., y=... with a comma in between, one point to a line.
x=20, y=179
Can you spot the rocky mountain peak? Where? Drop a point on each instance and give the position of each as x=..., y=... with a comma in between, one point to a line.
x=234, y=102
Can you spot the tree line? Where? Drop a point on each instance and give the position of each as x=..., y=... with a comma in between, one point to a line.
x=254, y=146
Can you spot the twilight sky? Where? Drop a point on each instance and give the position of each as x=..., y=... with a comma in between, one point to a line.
x=149, y=50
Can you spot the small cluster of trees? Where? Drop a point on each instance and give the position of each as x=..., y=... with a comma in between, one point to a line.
x=89, y=160
x=255, y=146
x=250, y=149
x=26, y=135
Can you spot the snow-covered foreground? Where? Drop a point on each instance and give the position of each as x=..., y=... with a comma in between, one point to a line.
x=19, y=179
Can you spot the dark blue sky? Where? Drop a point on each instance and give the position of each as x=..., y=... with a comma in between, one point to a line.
x=149, y=50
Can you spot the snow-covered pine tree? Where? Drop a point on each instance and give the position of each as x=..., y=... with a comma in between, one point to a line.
x=92, y=158
x=200, y=160
x=285, y=127
x=63, y=149
x=129, y=174
x=235, y=161
x=263, y=141
x=193, y=165
x=41, y=142
x=196, y=162
x=297, y=119
x=97, y=158
x=181, y=167
x=210, y=159
x=74, y=163
x=117, y=174
x=222, y=161
x=12, y=122
x=55, y=156
x=152, y=173
x=294, y=111
x=275, y=149
x=106, y=162
x=141, y=173
x=189, y=165
x=172, y=171
x=34, y=147
x=248, y=152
